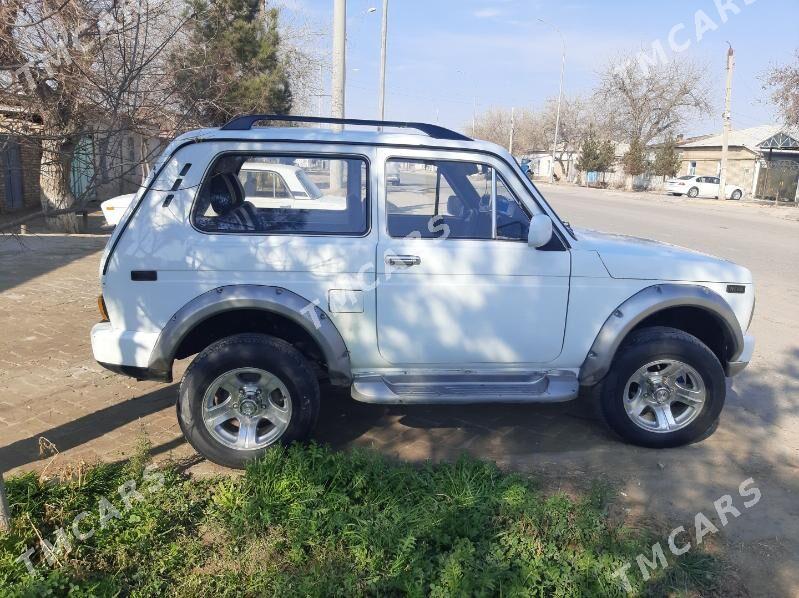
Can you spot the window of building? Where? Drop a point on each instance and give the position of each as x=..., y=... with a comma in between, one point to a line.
x=692, y=168
x=284, y=195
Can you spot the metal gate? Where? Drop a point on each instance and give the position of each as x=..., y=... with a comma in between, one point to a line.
x=778, y=180
x=12, y=165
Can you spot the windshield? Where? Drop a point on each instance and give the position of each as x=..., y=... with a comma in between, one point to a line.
x=310, y=187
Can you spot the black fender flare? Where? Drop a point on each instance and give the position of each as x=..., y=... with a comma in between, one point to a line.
x=272, y=299
x=645, y=303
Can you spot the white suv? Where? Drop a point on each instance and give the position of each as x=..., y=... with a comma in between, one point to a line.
x=457, y=283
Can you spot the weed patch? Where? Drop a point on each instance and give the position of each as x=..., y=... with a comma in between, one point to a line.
x=307, y=521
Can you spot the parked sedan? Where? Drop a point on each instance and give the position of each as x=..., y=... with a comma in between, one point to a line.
x=701, y=186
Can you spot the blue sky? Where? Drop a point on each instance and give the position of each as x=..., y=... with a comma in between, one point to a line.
x=443, y=55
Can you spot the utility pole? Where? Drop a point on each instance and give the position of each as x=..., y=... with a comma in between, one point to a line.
x=512, y=127
x=474, y=118
x=338, y=82
x=383, y=47
x=321, y=89
x=339, y=59
x=560, y=96
x=727, y=118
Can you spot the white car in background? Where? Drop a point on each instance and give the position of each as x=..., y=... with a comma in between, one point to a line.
x=701, y=186
x=269, y=185
x=114, y=208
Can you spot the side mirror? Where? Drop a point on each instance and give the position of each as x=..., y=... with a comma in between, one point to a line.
x=540, y=231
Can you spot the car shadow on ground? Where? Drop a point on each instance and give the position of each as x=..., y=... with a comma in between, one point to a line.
x=51, y=253
x=89, y=427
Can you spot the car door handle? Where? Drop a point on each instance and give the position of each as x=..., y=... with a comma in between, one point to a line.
x=403, y=260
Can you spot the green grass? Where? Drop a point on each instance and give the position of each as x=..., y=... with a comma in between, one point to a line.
x=308, y=521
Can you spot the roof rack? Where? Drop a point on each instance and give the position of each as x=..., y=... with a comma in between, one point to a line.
x=246, y=122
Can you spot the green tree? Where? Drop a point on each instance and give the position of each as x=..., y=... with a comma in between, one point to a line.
x=634, y=160
x=667, y=159
x=589, y=153
x=606, y=157
x=232, y=62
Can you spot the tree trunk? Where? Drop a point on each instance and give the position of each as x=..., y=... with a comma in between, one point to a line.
x=5, y=512
x=628, y=182
x=54, y=182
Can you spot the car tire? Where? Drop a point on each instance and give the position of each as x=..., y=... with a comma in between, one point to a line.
x=622, y=393
x=736, y=195
x=693, y=192
x=277, y=400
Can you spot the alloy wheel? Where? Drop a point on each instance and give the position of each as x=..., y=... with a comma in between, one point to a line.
x=664, y=396
x=246, y=408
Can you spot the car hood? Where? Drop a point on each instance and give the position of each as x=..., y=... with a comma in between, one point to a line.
x=632, y=257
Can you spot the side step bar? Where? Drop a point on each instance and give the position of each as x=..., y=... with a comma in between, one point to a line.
x=451, y=389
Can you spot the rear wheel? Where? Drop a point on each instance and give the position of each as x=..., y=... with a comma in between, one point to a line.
x=244, y=394
x=693, y=192
x=665, y=388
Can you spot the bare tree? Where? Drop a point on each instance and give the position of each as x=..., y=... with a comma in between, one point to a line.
x=784, y=84
x=74, y=67
x=645, y=104
x=494, y=125
x=577, y=118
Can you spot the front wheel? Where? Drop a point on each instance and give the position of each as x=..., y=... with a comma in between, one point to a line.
x=244, y=394
x=736, y=195
x=665, y=388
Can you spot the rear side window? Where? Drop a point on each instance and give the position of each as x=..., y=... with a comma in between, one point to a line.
x=256, y=194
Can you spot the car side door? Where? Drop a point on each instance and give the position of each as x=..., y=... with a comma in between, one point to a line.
x=457, y=283
x=706, y=187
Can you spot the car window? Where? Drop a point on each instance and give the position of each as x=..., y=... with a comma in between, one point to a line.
x=513, y=221
x=263, y=195
x=266, y=184
x=453, y=199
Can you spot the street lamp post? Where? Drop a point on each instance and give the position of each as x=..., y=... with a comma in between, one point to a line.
x=560, y=96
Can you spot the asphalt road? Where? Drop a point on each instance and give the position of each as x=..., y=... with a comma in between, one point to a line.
x=759, y=432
